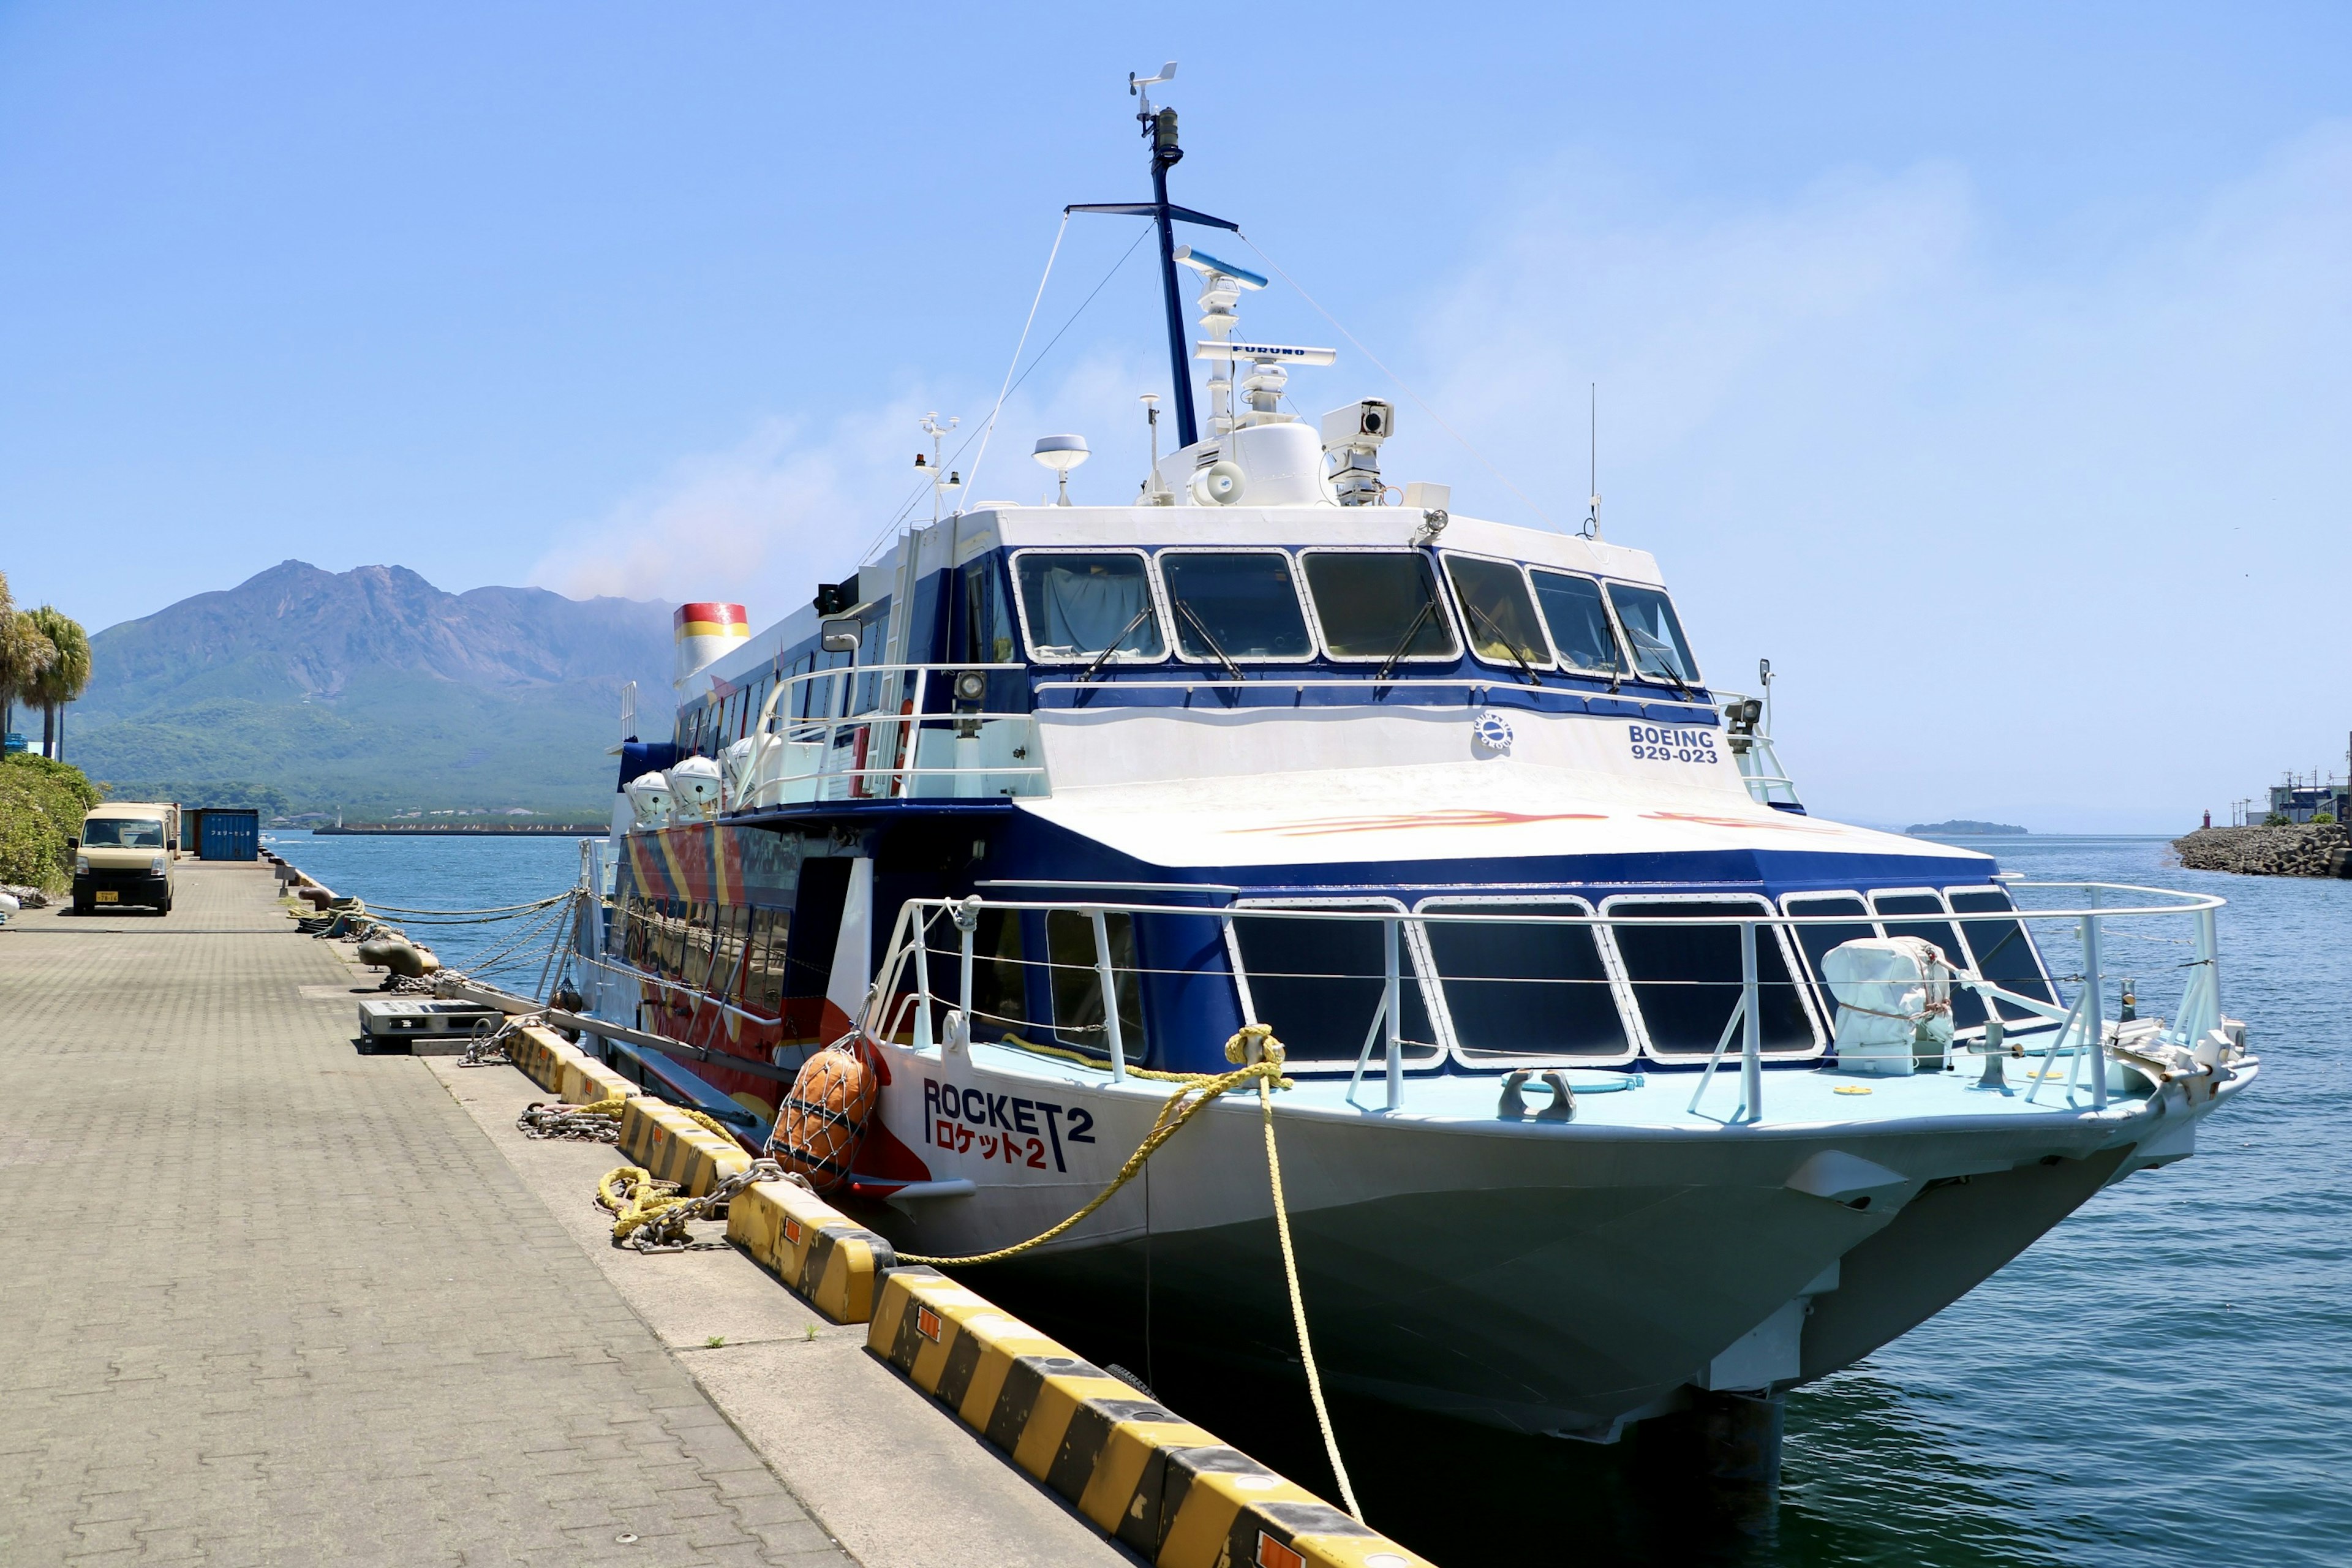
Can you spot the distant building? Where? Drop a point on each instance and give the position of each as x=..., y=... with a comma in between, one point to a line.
x=2302, y=801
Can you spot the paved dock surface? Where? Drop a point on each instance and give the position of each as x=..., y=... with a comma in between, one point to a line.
x=266, y=1301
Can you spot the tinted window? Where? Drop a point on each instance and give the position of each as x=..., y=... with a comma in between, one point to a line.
x=1078, y=985
x=1078, y=606
x=1378, y=606
x=1320, y=982
x=1578, y=623
x=2002, y=948
x=1526, y=990
x=1497, y=612
x=1815, y=942
x=1686, y=978
x=1240, y=606
x=1655, y=632
x=1968, y=1007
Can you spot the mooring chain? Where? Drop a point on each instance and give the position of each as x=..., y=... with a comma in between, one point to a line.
x=599, y=1122
x=650, y=1219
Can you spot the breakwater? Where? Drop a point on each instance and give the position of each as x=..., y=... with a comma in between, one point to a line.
x=2308, y=849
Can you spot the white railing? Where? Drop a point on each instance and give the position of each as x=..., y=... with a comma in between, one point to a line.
x=2078, y=1033
x=862, y=733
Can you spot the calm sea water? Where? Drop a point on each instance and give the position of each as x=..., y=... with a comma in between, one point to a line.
x=2165, y=1379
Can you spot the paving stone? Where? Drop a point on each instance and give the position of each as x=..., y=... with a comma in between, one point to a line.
x=288, y=1306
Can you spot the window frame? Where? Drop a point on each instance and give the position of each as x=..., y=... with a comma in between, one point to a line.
x=1297, y=587
x=1789, y=956
x=1620, y=995
x=2023, y=1021
x=1079, y=661
x=1624, y=669
x=1552, y=660
x=1409, y=953
x=1823, y=1000
x=1445, y=610
x=1696, y=680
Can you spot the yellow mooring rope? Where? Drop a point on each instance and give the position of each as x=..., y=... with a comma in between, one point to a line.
x=1261, y=1056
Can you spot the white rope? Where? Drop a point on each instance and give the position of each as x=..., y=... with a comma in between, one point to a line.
x=1002, y=393
x=1408, y=391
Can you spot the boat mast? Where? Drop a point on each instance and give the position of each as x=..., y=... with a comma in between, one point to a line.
x=1165, y=155
x=1160, y=126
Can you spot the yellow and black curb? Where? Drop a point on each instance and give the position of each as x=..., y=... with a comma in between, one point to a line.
x=1160, y=1485
x=562, y=1068
x=676, y=1148
x=821, y=1254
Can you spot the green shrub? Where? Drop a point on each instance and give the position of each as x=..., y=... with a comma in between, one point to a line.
x=41, y=809
x=2326, y=818
x=2276, y=819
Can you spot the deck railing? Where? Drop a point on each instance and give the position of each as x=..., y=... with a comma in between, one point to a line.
x=868, y=732
x=907, y=1005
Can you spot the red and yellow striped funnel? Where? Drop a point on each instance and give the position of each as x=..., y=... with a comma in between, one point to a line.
x=704, y=631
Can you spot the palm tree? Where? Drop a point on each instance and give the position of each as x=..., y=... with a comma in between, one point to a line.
x=64, y=677
x=24, y=653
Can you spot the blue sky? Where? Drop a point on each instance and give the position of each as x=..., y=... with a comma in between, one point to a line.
x=1987, y=369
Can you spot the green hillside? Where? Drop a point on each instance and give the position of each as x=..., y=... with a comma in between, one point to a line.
x=371, y=692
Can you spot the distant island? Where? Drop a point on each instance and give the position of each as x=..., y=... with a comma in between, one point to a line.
x=1961, y=827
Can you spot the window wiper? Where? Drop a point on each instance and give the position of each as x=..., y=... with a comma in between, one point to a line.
x=1104, y=657
x=1192, y=617
x=1388, y=666
x=1510, y=645
x=1661, y=656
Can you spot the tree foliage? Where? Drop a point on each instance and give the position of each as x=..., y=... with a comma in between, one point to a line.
x=41, y=806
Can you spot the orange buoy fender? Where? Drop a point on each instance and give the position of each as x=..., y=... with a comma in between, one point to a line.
x=822, y=1120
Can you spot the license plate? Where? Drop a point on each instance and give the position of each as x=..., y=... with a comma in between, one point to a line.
x=103, y=897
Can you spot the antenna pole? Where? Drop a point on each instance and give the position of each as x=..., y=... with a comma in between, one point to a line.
x=1165, y=155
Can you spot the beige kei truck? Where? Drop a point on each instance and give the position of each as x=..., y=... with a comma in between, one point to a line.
x=125, y=855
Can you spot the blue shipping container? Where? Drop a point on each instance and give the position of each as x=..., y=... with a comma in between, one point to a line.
x=230, y=836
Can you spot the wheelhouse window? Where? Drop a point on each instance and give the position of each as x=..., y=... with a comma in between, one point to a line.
x=1237, y=605
x=1081, y=606
x=1526, y=991
x=1579, y=622
x=1321, y=983
x=1660, y=651
x=1497, y=613
x=1379, y=605
x=1686, y=979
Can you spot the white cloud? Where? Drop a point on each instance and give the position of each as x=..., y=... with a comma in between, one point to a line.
x=2052, y=535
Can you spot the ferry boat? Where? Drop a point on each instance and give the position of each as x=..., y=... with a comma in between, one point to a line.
x=1615, y=1078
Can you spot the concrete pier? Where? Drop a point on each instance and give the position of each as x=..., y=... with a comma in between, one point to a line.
x=268, y=1300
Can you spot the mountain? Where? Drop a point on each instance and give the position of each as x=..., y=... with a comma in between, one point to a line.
x=371, y=689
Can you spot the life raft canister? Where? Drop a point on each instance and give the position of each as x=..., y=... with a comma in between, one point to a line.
x=822, y=1120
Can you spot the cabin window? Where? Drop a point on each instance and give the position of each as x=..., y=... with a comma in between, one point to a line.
x=1968, y=1007
x=1648, y=617
x=1686, y=978
x=1379, y=605
x=1320, y=984
x=1497, y=616
x=2004, y=949
x=1078, y=985
x=1234, y=604
x=1080, y=606
x=763, y=981
x=1526, y=991
x=1579, y=621
x=1815, y=942
x=983, y=633
x=998, y=976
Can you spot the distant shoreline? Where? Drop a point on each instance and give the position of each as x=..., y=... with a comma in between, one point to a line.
x=550, y=830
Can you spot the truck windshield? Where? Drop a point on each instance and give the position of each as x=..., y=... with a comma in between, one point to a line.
x=1234, y=604
x=1649, y=623
x=1080, y=605
x=122, y=832
x=1378, y=604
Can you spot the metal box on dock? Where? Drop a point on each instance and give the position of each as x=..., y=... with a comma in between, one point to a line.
x=424, y=1028
x=226, y=833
